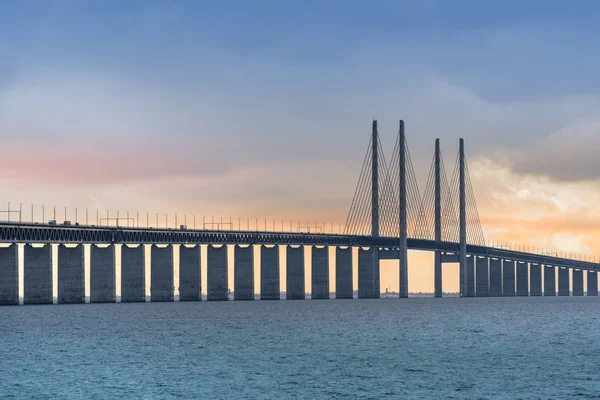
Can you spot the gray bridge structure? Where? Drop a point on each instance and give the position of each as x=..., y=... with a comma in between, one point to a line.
x=388, y=216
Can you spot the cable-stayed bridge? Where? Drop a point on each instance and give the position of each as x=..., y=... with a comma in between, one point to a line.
x=388, y=216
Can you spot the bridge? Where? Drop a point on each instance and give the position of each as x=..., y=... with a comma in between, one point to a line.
x=387, y=217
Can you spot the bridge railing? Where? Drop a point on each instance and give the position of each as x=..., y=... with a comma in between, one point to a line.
x=544, y=251
x=64, y=216
x=40, y=215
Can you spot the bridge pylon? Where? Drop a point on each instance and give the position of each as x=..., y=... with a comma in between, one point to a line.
x=450, y=212
x=387, y=203
x=374, y=181
x=437, y=220
x=403, y=245
x=374, y=288
x=462, y=221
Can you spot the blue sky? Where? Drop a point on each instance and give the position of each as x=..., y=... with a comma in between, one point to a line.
x=503, y=50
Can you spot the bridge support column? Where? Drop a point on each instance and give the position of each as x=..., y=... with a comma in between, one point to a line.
x=269, y=273
x=133, y=274
x=438, y=275
x=563, y=282
x=482, y=277
x=368, y=279
x=295, y=273
x=495, y=277
x=461, y=277
x=102, y=274
x=577, y=282
x=320, y=273
x=217, y=275
x=37, y=275
x=470, y=276
x=535, y=272
x=522, y=279
x=343, y=273
x=243, y=265
x=549, y=280
x=592, y=283
x=190, y=279
x=508, y=278
x=71, y=281
x=9, y=275
x=161, y=273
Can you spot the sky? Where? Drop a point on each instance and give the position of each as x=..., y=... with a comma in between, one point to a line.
x=263, y=109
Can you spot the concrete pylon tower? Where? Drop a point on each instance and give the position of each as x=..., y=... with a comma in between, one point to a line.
x=463, y=221
x=375, y=290
x=374, y=181
x=438, y=220
x=403, y=246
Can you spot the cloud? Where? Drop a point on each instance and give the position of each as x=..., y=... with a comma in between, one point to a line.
x=568, y=154
x=535, y=210
x=75, y=166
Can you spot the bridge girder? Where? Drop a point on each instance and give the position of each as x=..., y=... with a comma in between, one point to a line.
x=42, y=233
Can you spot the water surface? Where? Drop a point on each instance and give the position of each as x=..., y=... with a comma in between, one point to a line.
x=415, y=348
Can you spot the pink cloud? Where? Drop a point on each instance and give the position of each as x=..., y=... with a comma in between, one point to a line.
x=104, y=164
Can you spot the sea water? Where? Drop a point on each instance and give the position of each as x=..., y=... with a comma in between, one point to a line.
x=535, y=348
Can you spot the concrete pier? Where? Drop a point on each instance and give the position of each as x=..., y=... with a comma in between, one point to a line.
x=320, y=273
x=343, y=273
x=269, y=273
x=37, y=275
x=577, y=282
x=495, y=277
x=535, y=278
x=243, y=273
x=592, y=283
x=217, y=275
x=162, y=287
x=295, y=273
x=368, y=275
x=133, y=274
x=71, y=281
x=438, y=289
x=190, y=279
x=9, y=275
x=549, y=281
x=522, y=279
x=563, y=282
x=482, y=288
x=470, y=266
x=508, y=278
x=102, y=274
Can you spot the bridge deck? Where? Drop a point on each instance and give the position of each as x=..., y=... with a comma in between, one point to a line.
x=43, y=233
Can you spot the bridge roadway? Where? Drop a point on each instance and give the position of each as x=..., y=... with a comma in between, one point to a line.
x=82, y=234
